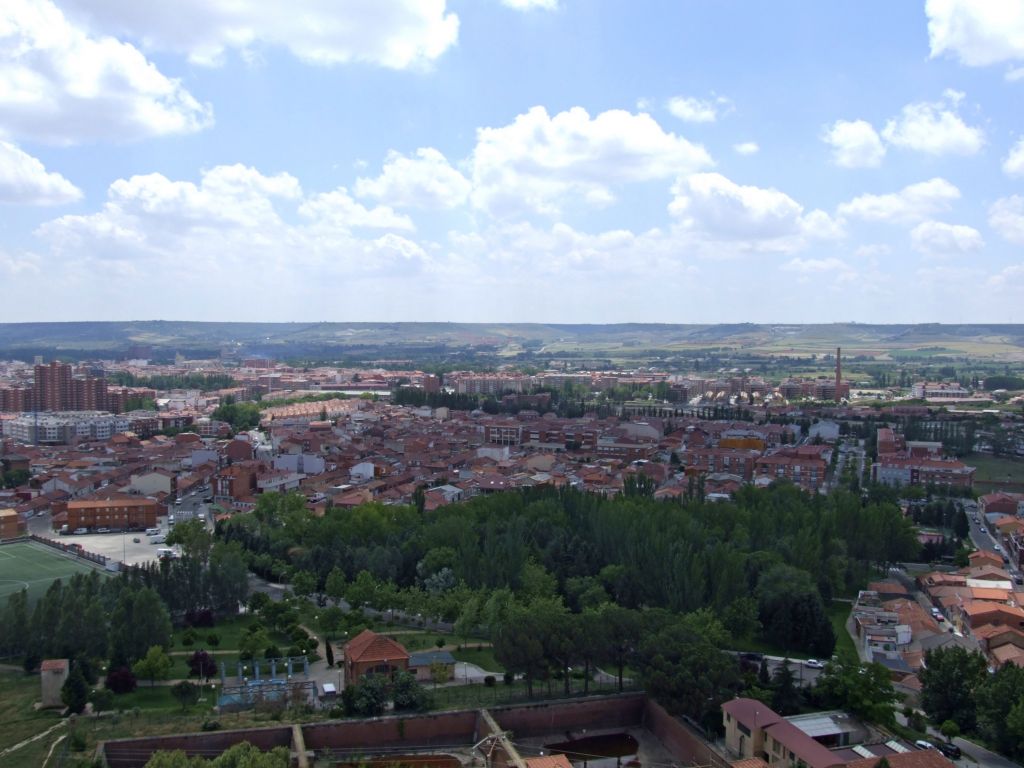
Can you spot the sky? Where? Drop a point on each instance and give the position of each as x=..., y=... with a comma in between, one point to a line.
x=574, y=161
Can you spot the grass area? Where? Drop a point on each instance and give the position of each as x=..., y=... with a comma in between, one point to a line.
x=230, y=633
x=994, y=472
x=483, y=657
x=838, y=613
x=18, y=720
x=31, y=566
x=476, y=695
x=760, y=645
x=159, y=698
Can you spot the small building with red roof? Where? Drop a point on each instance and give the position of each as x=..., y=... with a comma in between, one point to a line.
x=371, y=654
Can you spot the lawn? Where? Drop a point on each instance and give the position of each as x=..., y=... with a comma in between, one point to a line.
x=838, y=613
x=27, y=565
x=18, y=720
x=158, y=697
x=483, y=657
x=230, y=633
x=996, y=472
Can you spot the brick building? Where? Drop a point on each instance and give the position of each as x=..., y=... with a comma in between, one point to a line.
x=369, y=653
x=123, y=513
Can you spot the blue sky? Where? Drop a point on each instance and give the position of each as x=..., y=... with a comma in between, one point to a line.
x=512, y=160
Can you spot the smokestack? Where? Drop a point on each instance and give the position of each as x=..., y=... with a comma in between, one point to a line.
x=839, y=370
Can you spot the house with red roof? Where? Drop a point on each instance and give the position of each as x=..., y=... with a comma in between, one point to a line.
x=371, y=654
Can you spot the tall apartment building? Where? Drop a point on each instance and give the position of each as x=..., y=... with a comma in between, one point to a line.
x=51, y=390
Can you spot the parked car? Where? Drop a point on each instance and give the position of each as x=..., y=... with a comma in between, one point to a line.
x=814, y=664
x=135, y=539
x=983, y=529
x=102, y=530
x=922, y=744
x=952, y=751
x=80, y=531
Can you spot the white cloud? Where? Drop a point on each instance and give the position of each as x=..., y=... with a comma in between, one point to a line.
x=143, y=210
x=397, y=34
x=1008, y=277
x=1013, y=165
x=855, y=144
x=1014, y=75
x=424, y=181
x=24, y=179
x=529, y=5
x=692, y=110
x=830, y=264
x=61, y=85
x=1006, y=216
x=912, y=203
x=338, y=209
x=934, y=128
x=717, y=207
x=538, y=161
x=976, y=33
x=936, y=238
x=746, y=148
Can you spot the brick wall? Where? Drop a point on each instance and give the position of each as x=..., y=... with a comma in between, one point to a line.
x=600, y=712
x=134, y=753
x=444, y=728
x=677, y=737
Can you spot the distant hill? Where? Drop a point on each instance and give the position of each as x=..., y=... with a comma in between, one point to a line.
x=162, y=339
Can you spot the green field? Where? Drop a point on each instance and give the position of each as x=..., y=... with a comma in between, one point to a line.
x=996, y=474
x=25, y=565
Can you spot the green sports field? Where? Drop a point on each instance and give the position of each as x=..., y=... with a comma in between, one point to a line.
x=35, y=567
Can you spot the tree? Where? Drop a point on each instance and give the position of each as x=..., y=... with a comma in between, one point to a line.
x=621, y=636
x=408, y=694
x=120, y=680
x=154, y=666
x=202, y=665
x=329, y=650
x=195, y=540
x=792, y=612
x=75, y=691
x=866, y=690
x=785, y=695
x=369, y=695
x=685, y=671
x=997, y=694
x=186, y=693
x=335, y=584
x=138, y=622
x=949, y=680
x=303, y=583
x=740, y=618
x=949, y=729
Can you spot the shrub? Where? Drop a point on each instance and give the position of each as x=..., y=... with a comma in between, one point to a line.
x=210, y=725
x=489, y=681
x=121, y=680
x=199, y=617
x=272, y=652
x=213, y=639
x=509, y=678
x=102, y=700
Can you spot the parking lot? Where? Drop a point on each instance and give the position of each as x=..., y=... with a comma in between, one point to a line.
x=116, y=546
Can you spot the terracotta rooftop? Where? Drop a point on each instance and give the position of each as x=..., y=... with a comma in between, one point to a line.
x=918, y=758
x=369, y=646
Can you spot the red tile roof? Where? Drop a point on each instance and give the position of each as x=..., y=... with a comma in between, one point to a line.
x=369, y=646
x=918, y=758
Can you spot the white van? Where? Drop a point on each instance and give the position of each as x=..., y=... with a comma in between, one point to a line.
x=152, y=531
x=158, y=539
x=165, y=552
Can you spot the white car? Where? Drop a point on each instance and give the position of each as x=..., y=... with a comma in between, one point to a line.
x=814, y=664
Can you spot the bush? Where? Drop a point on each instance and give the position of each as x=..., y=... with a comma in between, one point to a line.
x=210, y=725
x=102, y=700
x=294, y=651
x=509, y=678
x=121, y=680
x=272, y=652
x=336, y=712
x=213, y=639
x=202, y=664
x=489, y=681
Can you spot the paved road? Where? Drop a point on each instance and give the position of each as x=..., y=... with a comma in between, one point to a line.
x=971, y=752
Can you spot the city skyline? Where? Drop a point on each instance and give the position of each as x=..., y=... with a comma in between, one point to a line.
x=532, y=160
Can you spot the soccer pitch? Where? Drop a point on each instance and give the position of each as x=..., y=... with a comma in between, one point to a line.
x=25, y=565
